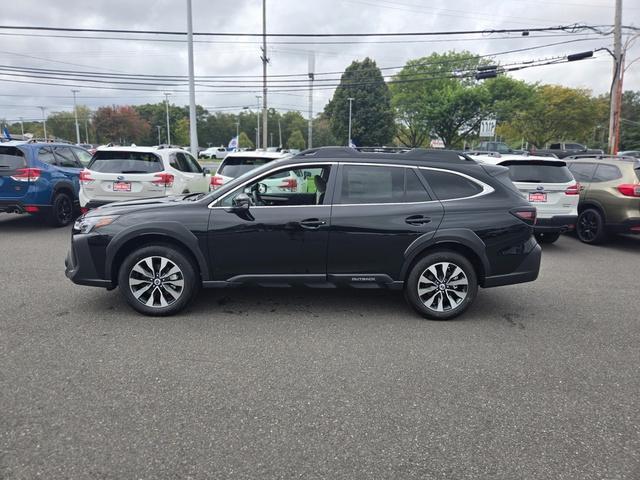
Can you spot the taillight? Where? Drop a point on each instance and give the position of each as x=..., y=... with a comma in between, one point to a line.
x=629, y=189
x=573, y=189
x=85, y=177
x=163, y=179
x=216, y=181
x=27, y=174
x=84, y=210
x=290, y=184
x=527, y=215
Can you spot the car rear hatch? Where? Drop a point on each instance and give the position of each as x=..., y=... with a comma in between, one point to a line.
x=233, y=167
x=122, y=175
x=15, y=177
x=546, y=184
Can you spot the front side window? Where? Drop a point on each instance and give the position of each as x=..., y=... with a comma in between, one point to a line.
x=582, y=172
x=574, y=146
x=448, y=186
x=286, y=187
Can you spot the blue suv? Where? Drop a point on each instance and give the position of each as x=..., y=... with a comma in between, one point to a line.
x=41, y=179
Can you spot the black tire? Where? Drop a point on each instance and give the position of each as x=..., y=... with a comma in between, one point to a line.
x=450, y=296
x=547, y=237
x=62, y=211
x=166, y=288
x=590, y=227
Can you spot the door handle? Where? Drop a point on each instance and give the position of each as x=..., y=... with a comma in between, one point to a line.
x=312, y=223
x=417, y=220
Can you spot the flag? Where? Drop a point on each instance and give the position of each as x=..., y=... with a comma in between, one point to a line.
x=7, y=135
x=233, y=144
x=351, y=144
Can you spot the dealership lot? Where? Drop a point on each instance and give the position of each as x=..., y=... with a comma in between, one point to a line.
x=536, y=380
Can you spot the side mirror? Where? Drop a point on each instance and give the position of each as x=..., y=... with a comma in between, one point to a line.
x=242, y=201
x=307, y=175
x=205, y=172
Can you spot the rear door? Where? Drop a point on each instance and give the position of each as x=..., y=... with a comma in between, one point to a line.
x=123, y=175
x=12, y=160
x=196, y=180
x=68, y=165
x=378, y=211
x=544, y=183
x=583, y=173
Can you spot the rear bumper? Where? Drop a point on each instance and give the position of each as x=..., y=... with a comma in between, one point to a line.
x=557, y=224
x=631, y=225
x=85, y=272
x=18, y=206
x=527, y=271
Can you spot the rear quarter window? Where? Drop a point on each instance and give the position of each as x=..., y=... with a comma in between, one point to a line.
x=125, y=162
x=607, y=173
x=449, y=186
x=539, y=174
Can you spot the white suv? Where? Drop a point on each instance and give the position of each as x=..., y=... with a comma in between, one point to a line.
x=127, y=173
x=548, y=185
x=239, y=163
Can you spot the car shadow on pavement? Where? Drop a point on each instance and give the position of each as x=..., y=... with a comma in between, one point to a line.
x=12, y=222
x=622, y=243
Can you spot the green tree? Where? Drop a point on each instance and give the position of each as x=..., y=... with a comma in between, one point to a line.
x=438, y=96
x=245, y=141
x=63, y=124
x=630, y=123
x=182, y=134
x=120, y=124
x=555, y=113
x=322, y=134
x=372, y=116
x=296, y=140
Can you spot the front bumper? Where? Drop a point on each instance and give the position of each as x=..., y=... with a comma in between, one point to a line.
x=527, y=271
x=84, y=272
x=557, y=224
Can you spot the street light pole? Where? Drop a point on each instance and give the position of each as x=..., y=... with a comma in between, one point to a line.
x=44, y=123
x=258, y=97
x=75, y=112
x=22, y=127
x=265, y=60
x=193, y=125
x=238, y=134
x=166, y=96
x=349, y=139
x=159, y=141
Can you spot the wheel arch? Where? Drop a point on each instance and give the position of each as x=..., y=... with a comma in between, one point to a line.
x=66, y=188
x=594, y=204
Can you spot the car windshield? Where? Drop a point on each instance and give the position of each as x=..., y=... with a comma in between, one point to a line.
x=236, y=166
x=539, y=173
x=125, y=162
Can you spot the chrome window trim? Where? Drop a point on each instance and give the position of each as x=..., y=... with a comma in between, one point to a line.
x=486, y=189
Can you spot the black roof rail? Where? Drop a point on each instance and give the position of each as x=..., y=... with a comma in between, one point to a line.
x=386, y=153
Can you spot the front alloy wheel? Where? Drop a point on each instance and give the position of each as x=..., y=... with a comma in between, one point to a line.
x=441, y=285
x=156, y=282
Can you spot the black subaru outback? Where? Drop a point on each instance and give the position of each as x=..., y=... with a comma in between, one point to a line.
x=433, y=223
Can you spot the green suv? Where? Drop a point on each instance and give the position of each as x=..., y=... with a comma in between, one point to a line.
x=609, y=196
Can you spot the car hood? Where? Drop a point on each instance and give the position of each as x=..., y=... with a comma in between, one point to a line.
x=128, y=206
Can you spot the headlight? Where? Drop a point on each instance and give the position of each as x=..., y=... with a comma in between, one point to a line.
x=86, y=224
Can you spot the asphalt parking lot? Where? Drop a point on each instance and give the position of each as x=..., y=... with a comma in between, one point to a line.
x=536, y=381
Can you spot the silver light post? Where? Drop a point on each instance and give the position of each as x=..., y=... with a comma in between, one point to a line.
x=166, y=96
x=22, y=127
x=193, y=126
x=75, y=113
x=238, y=134
x=159, y=140
x=258, y=97
x=349, y=139
x=44, y=122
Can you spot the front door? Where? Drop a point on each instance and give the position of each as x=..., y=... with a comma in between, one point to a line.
x=283, y=234
x=378, y=211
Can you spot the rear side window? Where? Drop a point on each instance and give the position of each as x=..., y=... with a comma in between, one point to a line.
x=554, y=146
x=45, y=155
x=539, y=173
x=11, y=158
x=573, y=146
x=448, y=186
x=582, y=172
x=373, y=184
x=607, y=173
x=83, y=156
x=236, y=166
x=65, y=157
x=125, y=162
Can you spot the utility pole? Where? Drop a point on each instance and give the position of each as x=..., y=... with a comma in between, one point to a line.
x=86, y=130
x=265, y=60
x=22, y=127
x=258, y=97
x=312, y=67
x=616, y=84
x=193, y=125
x=279, y=134
x=159, y=141
x=75, y=112
x=349, y=139
x=166, y=96
x=270, y=139
x=44, y=123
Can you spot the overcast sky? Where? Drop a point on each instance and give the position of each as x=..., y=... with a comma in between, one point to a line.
x=241, y=56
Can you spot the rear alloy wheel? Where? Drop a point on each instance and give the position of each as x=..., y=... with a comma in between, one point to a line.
x=547, y=237
x=157, y=280
x=590, y=227
x=441, y=285
x=61, y=210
